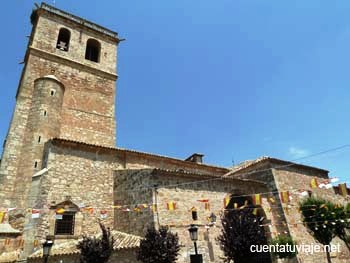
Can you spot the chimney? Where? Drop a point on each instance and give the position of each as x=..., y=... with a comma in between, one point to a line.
x=195, y=158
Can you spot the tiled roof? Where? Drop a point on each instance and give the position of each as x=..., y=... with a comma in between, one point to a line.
x=9, y=257
x=122, y=241
x=202, y=175
x=61, y=140
x=250, y=163
x=6, y=228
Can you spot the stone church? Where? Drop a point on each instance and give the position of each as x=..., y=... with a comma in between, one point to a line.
x=61, y=172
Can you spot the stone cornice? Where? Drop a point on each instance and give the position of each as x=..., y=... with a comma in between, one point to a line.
x=72, y=63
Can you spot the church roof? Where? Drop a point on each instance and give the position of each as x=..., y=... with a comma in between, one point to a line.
x=122, y=241
x=145, y=154
x=282, y=163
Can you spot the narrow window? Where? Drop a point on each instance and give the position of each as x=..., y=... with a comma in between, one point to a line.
x=45, y=113
x=63, y=39
x=65, y=225
x=35, y=164
x=52, y=92
x=93, y=48
x=39, y=139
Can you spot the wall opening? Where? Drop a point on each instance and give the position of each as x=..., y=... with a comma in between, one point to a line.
x=63, y=39
x=93, y=48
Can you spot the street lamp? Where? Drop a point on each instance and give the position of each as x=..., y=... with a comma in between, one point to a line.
x=47, y=248
x=197, y=258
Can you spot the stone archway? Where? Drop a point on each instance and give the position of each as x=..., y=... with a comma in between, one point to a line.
x=242, y=201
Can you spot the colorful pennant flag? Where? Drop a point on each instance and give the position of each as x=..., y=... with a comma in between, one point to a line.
x=272, y=199
x=58, y=216
x=154, y=208
x=171, y=206
x=203, y=200
x=285, y=197
x=103, y=214
x=36, y=243
x=207, y=206
x=255, y=211
x=313, y=183
x=343, y=189
x=7, y=241
x=226, y=201
x=60, y=211
x=35, y=213
x=257, y=199
x=2, y=217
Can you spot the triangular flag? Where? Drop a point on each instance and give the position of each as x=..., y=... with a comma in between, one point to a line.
x=203, y=200
x=207, y=206
x=285, y=197
x=255, y=211
x=2, y=217
x=272, y=199
x=103, y=214
x=154, y=207
x=35, y=213
x=313, y=183
x=36, y=243
x=60, y=211
x=193, y=209
x=226, y=201
x=343, y=189
x=7, y=241
x=257, y=199
x=171, y=206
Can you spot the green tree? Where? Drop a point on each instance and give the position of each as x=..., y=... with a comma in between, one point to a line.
x=240, y=230
x=342, y=227
x=284, y=241
x=321, y=217
x=96, y=249
x=159, y=246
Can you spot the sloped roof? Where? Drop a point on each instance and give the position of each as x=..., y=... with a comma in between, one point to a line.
x=9, y=257
x=283, y=163
x=122, y=241
x=6, y=228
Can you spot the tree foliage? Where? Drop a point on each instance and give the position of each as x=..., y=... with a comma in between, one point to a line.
x=284, y=240
x=96, y=249
x=159, y=246
x=241, y=229
x=323, y=219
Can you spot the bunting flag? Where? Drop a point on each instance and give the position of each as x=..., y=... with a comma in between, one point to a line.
x=20, y=243
x=207, y=206
x=103, y=214
x=35, y=213
x=90, y=210
x=343, y=189
x=313, y=183
x=171, y=206
x=58, y=216
x=36, y=243
x=272, y=199
x=203, y=200
x=334, y=180
x=235, y=205
x=257, y=199
x=285, y=197
x=226, y=201
x=2, y=217
x=7, y=241
x=60, y=211
x=193, y=209
x=154, y=208
x=255, y=211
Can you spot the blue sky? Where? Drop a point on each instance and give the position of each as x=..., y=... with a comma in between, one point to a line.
x=234, y=80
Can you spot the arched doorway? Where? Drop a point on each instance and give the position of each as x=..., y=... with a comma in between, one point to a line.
x=241, y=207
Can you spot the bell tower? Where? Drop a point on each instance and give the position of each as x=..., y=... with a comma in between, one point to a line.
x=67, y=90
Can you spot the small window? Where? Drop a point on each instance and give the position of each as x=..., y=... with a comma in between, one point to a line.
x=52, y=92
x=93, y=48
x=63, y=39
x=65, y=225
x=45, y=113
x=39, y=139
x=35, y=164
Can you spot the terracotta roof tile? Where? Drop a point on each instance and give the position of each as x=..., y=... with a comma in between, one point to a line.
x=122, y=241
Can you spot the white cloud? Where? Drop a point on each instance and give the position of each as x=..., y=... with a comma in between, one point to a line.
x=297, y=152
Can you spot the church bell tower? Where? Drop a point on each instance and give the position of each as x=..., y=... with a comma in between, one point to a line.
x=67, y=90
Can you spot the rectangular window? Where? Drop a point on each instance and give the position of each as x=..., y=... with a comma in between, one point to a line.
x=65, y=226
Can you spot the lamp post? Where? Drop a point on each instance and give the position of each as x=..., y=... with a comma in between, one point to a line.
x=47, y=249
x=197, y=258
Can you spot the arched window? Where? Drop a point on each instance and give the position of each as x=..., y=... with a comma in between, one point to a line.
x=63, y=39
x=92, y=52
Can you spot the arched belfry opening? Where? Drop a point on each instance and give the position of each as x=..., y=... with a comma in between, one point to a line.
x=63, y=39
x=93, y=48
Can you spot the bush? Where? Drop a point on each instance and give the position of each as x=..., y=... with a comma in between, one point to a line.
x=284, y=240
